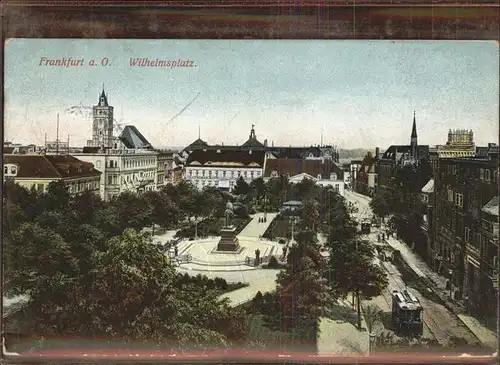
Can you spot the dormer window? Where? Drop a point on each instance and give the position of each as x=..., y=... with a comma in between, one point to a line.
x=319, y=176
x=333, y=176
x=274, y=174
x=10, y=170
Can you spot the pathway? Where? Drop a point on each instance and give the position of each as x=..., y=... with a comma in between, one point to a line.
x=256, y=229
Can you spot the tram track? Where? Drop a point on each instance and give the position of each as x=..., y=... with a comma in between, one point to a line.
x=440, y=323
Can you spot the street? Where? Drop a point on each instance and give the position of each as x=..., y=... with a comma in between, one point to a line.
x=439, y=322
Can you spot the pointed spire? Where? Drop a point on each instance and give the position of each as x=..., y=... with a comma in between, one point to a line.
x=414, y=128
x=199, y=132
x=103, y=99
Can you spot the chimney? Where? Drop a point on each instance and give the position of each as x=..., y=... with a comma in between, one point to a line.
x=273, y=143
x=265, y=143
x=249, y=152
x=377, y=152
x=218, y=151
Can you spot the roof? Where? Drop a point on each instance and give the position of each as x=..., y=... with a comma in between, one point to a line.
x=368, y=163
x=197, y=144
x=491, y=207
x=51, y=166
x=132, y=138
x=429, y=187
x=295, y=152
x=226, y=158
x=423, y=151
x=296, y=166
x=252, y=142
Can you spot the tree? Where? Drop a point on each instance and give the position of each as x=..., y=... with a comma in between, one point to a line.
x=339, y=224
x=241, y=187
x=134, y=210
x=258, y=188
x=306, y=190
x=35, y=258
x=310, y=215
x=302, y=292
x=380, y=203
x=351, y=269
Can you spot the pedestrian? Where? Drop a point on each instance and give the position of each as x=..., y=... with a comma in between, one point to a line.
x=176, y=251
x=383, y=236
x=378, y=237
x=257, y=257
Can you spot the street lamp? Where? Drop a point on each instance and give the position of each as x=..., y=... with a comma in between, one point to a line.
x=371, y=343
x=265, y=207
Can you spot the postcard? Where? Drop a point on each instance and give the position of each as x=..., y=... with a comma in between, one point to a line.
x=319, y=198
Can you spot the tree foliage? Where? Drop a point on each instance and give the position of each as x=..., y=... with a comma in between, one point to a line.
x=88, y=271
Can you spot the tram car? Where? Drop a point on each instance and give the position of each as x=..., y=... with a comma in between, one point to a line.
x=366, y=226
x=407, y=314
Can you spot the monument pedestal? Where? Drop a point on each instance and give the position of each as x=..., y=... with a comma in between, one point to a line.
x=228, y=241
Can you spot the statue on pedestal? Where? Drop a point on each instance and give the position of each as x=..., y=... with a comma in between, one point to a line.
x=229, y=214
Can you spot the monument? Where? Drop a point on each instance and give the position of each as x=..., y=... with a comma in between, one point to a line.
x=228, y=241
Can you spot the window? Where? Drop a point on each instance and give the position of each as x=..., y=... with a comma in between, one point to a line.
x=459, y=200
x=110, y=180
x=336, y=187
x=39, y=188
x=450, y=195
x=481, y=174
x=5, y=170
x=13, y=170
x=454, y=169
x=467, y=234
x=495, y=176
x=98, y=164
x=333, y=176
x=487, y=175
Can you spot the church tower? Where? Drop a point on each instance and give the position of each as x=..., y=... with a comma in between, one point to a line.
x=102, y=127
x=414, y=142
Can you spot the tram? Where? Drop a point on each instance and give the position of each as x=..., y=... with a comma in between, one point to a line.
x=407, y=314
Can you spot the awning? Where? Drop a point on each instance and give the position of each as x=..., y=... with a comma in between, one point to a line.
x=491, y=207
x=429, y=187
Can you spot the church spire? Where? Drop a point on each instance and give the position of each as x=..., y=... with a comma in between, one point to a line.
x=414, y=129
x=414, y=141
x=103, y=99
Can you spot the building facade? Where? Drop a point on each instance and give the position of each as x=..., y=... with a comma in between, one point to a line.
x=165, y=160
x=465, y=243
x=38, y=171
x=399, y=155
x=127, y=162
x=222, y=168
x=367, y=177
x=323, y=172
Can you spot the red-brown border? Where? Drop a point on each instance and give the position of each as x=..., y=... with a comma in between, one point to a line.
x=306, y=19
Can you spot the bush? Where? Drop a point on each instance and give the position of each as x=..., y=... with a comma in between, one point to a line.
x=273, y=263
x=221, y=283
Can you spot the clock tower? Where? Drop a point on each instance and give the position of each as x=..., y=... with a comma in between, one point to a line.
x=102, y=127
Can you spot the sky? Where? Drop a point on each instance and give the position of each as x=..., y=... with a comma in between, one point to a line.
x=357, y=94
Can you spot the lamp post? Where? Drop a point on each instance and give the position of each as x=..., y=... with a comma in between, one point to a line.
x=371, y=343
x=265, y=207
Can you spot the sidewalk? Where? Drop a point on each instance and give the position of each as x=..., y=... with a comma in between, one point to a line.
x=421, y=269
x=438, y=282
x=339, y=334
